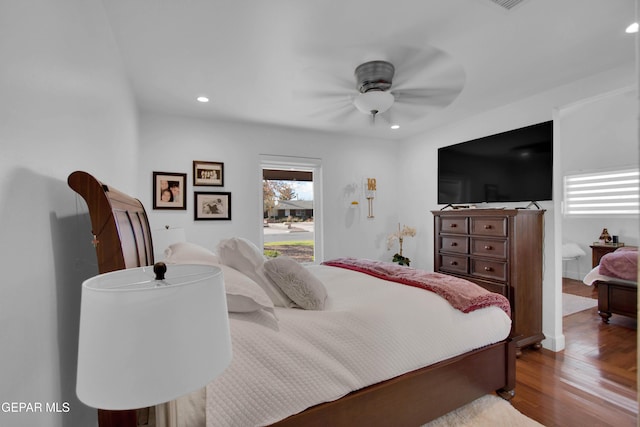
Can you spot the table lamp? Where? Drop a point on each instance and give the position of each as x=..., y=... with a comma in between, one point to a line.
x=150, y=335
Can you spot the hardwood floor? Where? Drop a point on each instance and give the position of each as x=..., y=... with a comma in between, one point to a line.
x=592, y=382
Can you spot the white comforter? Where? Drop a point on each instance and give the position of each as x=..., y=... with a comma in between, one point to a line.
x=371, y=330
x=594, y=275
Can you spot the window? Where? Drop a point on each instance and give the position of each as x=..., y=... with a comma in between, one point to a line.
x=292, y=207
x=602, y=193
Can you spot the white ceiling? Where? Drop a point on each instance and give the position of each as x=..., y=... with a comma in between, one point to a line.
x=258, y=59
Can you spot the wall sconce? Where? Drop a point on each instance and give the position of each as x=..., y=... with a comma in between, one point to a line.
x=145, y=340
x=370, y=194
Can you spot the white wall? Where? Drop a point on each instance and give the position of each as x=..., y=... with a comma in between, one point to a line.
x=171, y=144
x=607, y=124
x=64, y=105
x=418, y=175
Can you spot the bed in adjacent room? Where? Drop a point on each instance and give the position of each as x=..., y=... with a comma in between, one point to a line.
x=617, y=280
x=350, y=342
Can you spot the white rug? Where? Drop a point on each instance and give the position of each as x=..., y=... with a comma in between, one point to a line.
x=489, y=411
x=572, y=304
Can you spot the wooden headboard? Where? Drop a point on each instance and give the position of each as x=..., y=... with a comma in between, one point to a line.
x=119, y=224
x=122, y=238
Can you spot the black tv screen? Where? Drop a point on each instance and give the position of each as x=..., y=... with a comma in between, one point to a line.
x=513, y=166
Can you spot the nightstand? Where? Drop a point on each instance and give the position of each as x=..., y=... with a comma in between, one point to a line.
x=598, y=250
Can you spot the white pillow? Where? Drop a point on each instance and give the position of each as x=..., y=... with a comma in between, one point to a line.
x=572, y=250
x=245, y=257
x=298, y=283
x=189, y=253
x=243, y=294
x=240, y=254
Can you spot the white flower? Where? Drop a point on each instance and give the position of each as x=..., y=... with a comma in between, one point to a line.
x=403, y=232
x=408, y=231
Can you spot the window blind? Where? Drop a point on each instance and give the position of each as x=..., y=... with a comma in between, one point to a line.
x=602, y=193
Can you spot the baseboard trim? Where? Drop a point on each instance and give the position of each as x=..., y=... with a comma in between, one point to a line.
x=554, y=343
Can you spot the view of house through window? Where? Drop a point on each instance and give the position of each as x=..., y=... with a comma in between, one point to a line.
x=288, y=213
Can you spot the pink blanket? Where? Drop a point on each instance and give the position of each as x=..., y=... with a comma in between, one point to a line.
x=462, y=294
x=622, y=263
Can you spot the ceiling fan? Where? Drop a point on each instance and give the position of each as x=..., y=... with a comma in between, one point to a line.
x=427, y=80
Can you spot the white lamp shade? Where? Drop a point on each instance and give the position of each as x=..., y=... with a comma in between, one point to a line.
x=144, y=341
x=374, y=101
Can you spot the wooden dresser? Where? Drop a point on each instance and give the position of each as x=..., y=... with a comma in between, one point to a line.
x=500, y=250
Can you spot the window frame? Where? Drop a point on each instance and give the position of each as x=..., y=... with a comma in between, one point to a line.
x=314, y=165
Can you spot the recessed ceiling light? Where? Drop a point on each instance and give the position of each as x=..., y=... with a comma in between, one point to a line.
x=633, y=28
x=394, y=127
x=202, y=99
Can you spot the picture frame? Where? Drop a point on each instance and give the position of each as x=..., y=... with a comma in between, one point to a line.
x=211, y=206
x=169, y=190
x=208, y=173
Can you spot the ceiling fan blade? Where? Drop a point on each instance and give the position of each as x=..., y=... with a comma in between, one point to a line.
x=336, y=112
x=407, y=60
x=324, y=77
x=436, y=97
x=352, y=117
x=404, y=113
x=431, y=68
x=386, y=119
x=321, y=95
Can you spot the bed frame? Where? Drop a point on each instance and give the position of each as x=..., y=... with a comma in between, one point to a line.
x=122, y=238
x=617, y=298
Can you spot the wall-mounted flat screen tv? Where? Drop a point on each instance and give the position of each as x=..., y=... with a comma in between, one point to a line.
x=513, y=166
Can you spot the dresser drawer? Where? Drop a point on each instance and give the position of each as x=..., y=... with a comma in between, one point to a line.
x=494, y=270
x=458, y=225
x=457, y=244
x=489, y=248
x=454, y=264
x=489, y=226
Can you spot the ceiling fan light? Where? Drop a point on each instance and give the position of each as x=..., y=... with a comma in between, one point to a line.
x=373, y=102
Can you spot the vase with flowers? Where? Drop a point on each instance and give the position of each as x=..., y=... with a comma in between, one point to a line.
x=403, y=232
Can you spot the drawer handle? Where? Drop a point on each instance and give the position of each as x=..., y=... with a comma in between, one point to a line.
x=488, y=247
x=454, y=244
x=488, y=269
x=454, y=262
x=454, y=225
x=487, y=226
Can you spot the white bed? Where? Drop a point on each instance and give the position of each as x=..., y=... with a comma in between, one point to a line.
x=616, y=278
x=594, y=276
x=373, y=332
x=370, y=330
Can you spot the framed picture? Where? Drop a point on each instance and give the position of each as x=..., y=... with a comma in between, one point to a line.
x=211, y=206
x=169, y=190
x=208, y=173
